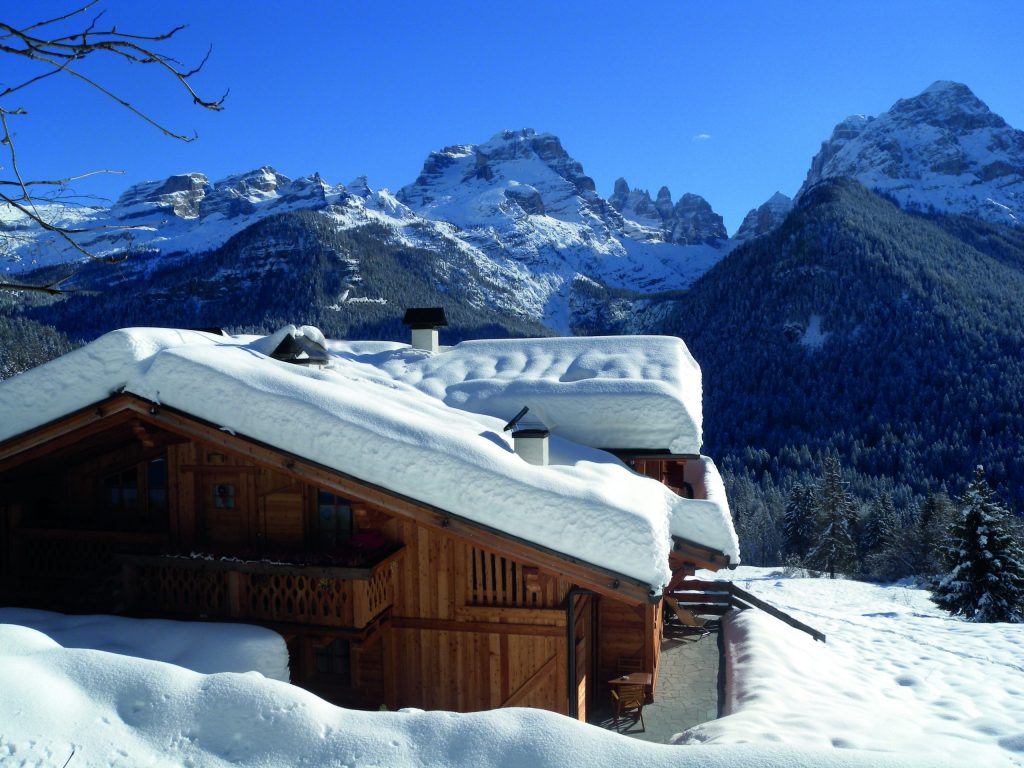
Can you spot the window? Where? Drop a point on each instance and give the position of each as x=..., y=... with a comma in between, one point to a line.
x=332, y=660
x=121, y=493
x=223, y=496
x=135, y=498
x=156, y=489
x=334, y=520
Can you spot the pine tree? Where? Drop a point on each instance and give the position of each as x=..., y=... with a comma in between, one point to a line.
x=837, y=512
x=985, y=582
x=887, y=550
x=799, y=521
x=934, y=518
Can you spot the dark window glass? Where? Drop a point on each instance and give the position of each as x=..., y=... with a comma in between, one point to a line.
x=334, y=520
x=121, y=493
x=223, y=496
x=333, y=660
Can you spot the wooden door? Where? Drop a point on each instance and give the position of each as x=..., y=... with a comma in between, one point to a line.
x=583, y=636
x=222, y=506
x=282, y=524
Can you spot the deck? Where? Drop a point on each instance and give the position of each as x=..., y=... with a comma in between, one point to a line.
x=688, y=688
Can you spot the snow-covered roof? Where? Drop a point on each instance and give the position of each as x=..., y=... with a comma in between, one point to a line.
x=357, y=415
x=624, y=392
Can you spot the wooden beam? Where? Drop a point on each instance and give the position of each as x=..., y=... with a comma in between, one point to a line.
x=478, y=627
x=688, y=553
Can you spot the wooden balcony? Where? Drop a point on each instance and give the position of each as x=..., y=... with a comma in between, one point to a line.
x=325, y=596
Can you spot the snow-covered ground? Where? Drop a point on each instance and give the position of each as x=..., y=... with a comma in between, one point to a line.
x=897, y=684
x=897, y=674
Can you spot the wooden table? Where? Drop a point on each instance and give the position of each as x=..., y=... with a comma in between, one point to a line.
x=633, y=678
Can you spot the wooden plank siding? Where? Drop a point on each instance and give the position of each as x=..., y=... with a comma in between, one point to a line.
x=466, y=619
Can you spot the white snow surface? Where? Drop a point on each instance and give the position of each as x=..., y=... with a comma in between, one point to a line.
x=605, y=392
x=899, y=683
x=897, y=674
x=357, y=419
x=206, y=647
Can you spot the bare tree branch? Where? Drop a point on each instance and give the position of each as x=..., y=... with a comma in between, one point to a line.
x=61, y=51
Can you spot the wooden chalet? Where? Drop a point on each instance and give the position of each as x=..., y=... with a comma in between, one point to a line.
x=134, y=505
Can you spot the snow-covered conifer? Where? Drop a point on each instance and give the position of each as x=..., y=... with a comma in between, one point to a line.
x=835, y=548
x=985, y=582
x=799, y=522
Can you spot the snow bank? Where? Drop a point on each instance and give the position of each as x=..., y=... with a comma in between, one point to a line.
x=605, y=392
x=897, y=675
x=206, y=647
x=117, y=711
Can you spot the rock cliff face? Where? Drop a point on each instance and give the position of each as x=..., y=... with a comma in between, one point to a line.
x=764, y=218
x=691, y=221
x=940, y=150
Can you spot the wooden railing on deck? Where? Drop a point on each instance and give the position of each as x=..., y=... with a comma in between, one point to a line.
x=326, y=596
x=718, y=597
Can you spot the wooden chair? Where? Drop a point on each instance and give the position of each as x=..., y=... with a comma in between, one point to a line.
x=686, y=617
x=627, y=664
x=629, y=698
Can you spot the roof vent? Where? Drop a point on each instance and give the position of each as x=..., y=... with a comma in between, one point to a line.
x=424, y=322
x=529, y=438
x=301, y=346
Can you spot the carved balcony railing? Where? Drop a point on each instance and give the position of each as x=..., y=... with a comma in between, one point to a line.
x=329, y=596
x=72, y=570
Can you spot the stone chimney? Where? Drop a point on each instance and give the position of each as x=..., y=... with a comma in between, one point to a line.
x=530, y=439
x=424, y=322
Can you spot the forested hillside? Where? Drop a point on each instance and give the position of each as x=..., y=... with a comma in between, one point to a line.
x=894, y=339
x=292, y=267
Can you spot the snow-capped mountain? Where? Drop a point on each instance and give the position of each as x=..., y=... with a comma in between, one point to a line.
x=518, y=212
x=521, y=199
x=943, y=150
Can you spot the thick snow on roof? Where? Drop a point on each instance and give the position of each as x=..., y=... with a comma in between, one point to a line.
x=358, y=419
x=606, y=392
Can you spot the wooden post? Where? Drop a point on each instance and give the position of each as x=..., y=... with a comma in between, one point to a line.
x=234, y=602
x=130, y=583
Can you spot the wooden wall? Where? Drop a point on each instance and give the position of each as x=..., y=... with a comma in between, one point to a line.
x=627, y=631
x=469, y=628
x=473, y=630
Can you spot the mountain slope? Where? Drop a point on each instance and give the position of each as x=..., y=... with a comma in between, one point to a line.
x=887, y=336
x=350, y=282
x=518, y=209
x=942, y=150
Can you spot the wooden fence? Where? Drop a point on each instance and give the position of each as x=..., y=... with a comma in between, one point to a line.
x=718, y=597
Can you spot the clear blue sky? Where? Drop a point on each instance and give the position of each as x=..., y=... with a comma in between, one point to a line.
x=729, y=100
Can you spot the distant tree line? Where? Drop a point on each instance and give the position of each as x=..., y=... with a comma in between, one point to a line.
x=969, y=550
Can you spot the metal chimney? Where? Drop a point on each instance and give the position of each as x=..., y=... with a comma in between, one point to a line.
x=424, y=322
x=530, y=440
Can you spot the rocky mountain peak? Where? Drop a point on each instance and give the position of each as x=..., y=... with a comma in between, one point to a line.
x=179, y=195
x=943, y=150
x=764, y=218
x=691, y=221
